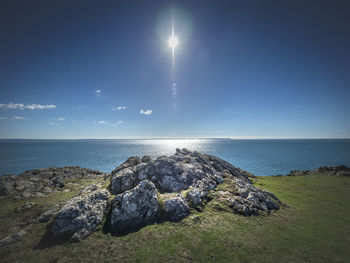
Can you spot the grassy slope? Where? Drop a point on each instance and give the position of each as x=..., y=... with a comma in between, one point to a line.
x=314, y=227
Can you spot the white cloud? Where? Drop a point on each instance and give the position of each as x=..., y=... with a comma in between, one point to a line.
x=18, y=118
x=119, y=108
x=21, y=106
x=117, y=123
x=98, y=91
x=146, y=112
x=3, y=118
x=61, y=119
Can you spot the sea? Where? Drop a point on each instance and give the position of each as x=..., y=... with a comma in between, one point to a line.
x=261, y=157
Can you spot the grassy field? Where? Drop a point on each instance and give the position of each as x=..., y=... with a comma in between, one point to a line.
x=314, y=226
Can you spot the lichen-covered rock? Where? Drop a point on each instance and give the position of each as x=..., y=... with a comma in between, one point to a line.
x=246, y=199
x=170, y=174
x=81, y=215
x=175, y=208
x=186, y=173
x=122, y=181
x=134, y=208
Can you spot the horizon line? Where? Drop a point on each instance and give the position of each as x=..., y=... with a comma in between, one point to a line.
x=189, y=138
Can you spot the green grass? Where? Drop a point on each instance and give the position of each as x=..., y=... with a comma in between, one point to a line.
x=313, y=227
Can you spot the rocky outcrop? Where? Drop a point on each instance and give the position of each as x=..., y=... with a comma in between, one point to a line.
x=164, y=189
x=340, y=170
x=81, y=215
x=34, y=183
x=144, y=191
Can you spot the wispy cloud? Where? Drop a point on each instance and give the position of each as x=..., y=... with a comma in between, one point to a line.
x=18, y=118
x=119, y=108
x=61, y=119
x=21, y=106
x=100, y=122
x=117, y=123
x=53, y=123
x=3, y=118
x=146, y=112
x=98, y=92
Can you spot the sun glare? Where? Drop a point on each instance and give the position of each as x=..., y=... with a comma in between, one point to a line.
x=173, y=42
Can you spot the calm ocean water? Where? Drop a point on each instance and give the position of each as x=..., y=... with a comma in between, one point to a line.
x=262, y=157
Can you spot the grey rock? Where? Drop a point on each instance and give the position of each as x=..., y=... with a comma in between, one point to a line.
x=12, y=238
x=46, y=216
x=134, y=208
x=340, y=170
x=194, y=196
x=145, y=159
x=175, y=208
x=7, y=184
x=81, y=215
x=30, y=182
x=123, y=180
x=249, y=200
x=25, y=206
x=131, y=161
x=56, y=182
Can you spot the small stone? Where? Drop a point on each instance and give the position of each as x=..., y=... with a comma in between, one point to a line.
x=25, y=206
x=12, y=238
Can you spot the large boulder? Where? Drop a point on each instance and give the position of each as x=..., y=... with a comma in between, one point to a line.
x=177, y=182
x=81, y=215
x=134, y=208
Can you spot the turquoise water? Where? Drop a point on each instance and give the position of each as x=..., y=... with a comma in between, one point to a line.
x=262, y=157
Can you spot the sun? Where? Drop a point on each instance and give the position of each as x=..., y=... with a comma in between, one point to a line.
x=173, y=42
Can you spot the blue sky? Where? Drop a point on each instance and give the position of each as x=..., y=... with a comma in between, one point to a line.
x=243, y=69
